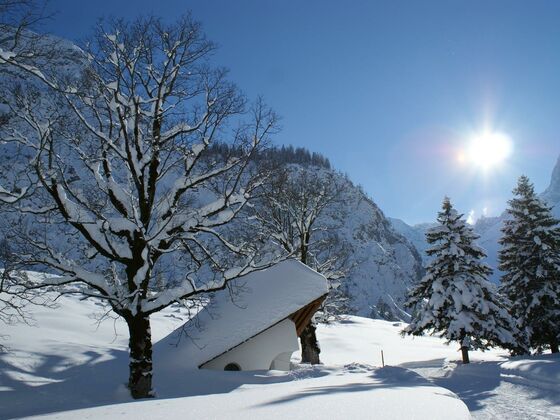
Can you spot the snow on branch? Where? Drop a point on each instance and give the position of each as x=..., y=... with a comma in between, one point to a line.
x=125, y=185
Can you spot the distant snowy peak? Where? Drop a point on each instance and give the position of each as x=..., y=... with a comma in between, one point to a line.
x=552, y=193
x=489, y=228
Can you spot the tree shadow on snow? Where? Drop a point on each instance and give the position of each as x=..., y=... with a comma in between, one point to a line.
x=188, y=383
x=44, y=384
x=473, y=383
x=478, y=381
x=382, y=378
x=50, y=383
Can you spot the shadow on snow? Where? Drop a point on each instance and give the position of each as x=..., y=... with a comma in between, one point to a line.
x=478, y=381
x=51, y=383
x=382, y=378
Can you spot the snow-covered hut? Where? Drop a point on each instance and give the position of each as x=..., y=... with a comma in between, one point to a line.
x=252, y=325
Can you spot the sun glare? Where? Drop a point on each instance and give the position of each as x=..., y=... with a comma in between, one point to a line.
x=488, y=150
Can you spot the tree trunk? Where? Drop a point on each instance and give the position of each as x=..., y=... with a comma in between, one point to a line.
x=464, y=348
x=140, y=347
x=465, y=354
x=309, y=346
x=554, y=345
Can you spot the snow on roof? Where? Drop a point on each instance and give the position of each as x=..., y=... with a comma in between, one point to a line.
x=254, y=303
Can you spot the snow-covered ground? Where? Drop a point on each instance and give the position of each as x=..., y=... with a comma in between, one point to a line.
x=69, y=362
x=517, y=389
x=493, y=386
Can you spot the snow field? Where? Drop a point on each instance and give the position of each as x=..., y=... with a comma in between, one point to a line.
x=68, y=367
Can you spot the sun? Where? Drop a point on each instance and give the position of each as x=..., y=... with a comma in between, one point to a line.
x=488, y=150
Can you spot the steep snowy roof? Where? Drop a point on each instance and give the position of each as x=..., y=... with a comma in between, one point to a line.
x=252, y=304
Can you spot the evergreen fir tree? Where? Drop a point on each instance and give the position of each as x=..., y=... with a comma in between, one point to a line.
x=530, y=260
x=455, y=300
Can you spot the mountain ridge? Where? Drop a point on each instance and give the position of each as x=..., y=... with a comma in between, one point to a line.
x=489, y=228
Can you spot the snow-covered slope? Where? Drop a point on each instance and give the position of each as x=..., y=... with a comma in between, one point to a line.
x=490, y=233
x=67, y=361
x=383, y=263
x=415, y=234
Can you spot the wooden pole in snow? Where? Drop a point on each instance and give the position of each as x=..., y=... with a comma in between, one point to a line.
x=382, y=359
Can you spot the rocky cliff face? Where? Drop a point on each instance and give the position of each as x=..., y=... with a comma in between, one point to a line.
x=385, y=264
x=415, y=234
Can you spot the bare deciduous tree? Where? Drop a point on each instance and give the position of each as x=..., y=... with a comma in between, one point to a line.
x=121, y=169
x=15, y=294
x=16, y=18
x=298, y=209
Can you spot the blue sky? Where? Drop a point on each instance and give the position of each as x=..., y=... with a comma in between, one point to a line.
x=389, y=91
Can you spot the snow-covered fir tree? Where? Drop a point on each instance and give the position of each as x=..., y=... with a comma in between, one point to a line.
x=455, y=300
x=530, y=260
